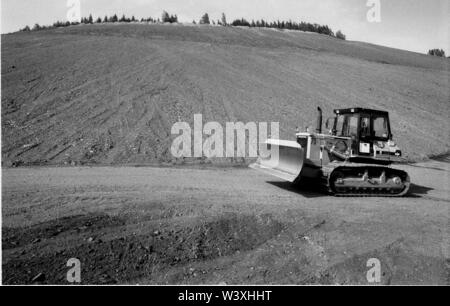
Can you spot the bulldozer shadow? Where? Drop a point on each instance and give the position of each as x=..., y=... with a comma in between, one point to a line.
x=416, y=191
x=306, y=189
x=310, y=189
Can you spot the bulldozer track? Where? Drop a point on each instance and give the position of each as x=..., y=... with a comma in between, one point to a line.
x=328, y=170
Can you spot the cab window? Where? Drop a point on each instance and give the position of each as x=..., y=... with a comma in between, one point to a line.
x=365, y=126
x=347, y=125
x=352, y=126
x=340, y=125
x=380, y=127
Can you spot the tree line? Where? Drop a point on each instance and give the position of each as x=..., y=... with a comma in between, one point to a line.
x=205, y=19
x=290, y=25
x=90, y=20
x=437, y=52
x=281, y=25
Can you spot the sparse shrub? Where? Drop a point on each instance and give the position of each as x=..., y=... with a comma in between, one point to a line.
x=165, y=17
x=240, y=22
x=224, y=19
x=340, y=35
x=150, y=19
x=205, y=19
x=325, y=30
x=87, y=20
x=59, y=24
x=437, y=52
x=25, y=29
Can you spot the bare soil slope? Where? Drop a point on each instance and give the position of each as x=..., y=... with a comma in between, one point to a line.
x=109, y=94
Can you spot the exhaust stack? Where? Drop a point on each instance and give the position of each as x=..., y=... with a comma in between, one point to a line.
x=319, y=121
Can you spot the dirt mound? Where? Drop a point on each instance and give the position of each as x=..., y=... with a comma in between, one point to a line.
x=125, y=258
x=109, y=94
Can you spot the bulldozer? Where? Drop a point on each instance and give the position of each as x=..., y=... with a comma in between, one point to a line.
x=353, y=158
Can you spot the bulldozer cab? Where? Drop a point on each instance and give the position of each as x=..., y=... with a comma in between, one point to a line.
x=365, y=127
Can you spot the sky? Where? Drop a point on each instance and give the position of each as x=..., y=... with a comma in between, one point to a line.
x=415, y=25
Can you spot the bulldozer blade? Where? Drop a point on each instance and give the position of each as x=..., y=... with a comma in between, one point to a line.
x=287, y=164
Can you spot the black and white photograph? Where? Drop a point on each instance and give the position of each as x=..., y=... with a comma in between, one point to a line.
x=211, y=146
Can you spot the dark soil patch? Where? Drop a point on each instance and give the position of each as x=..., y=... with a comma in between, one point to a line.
x=17, y=237
x=127, y=258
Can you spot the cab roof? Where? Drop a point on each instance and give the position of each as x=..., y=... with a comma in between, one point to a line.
x=356, y=110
